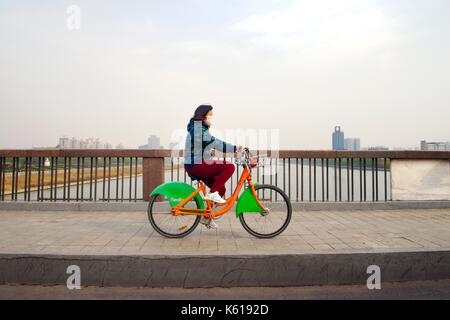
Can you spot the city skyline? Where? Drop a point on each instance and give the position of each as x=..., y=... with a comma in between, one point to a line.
x=89, y=143
x=378, y=68
x=154, y=142
x=170, y=144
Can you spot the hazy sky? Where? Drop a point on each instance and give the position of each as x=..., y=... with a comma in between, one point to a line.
x=380, y=69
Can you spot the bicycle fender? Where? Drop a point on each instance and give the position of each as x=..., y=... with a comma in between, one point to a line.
x=176, y=192
x=247, y=203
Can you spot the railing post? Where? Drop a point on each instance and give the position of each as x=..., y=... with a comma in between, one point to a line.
x=152, y=175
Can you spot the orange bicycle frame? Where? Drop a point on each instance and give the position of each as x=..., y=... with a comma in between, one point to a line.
x=246, y=176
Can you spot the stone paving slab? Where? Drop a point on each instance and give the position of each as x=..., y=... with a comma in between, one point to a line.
x=310, y=232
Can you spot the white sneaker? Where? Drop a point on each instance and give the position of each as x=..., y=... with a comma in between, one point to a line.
x=215, y=197
x=209, y=223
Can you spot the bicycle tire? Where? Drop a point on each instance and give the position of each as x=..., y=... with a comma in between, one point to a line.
x=162, y=232
x=285, y=224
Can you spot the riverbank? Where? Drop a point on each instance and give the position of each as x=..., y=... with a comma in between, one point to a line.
x=61, y=178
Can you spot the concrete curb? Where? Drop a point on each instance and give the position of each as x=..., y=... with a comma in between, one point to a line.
x=142, y=206
x=225, y=271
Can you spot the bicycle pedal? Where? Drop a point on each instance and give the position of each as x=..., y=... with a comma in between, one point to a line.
x=209, y=226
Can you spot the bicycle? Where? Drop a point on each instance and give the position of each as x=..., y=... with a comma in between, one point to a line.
x=263, y=210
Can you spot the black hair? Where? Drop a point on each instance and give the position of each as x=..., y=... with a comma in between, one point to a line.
x=201, y=111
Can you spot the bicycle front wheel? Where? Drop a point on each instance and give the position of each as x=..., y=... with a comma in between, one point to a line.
x=273, y=222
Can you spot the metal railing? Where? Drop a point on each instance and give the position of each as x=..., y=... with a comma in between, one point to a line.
x=70, y=178
x=130, y=175
x=315, y=179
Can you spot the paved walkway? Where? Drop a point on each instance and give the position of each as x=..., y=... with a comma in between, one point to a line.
x=309, y=232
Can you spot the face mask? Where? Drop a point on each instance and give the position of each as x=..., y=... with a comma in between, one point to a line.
x=208, y=121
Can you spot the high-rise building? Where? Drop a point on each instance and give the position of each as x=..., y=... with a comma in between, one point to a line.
x=74, y=143
x=64, y=143
x=89, y=143
x=153, y=143
x=99, y=144
x=352, y=144
x=338, y=139
x=434, y=146
x=84, y=144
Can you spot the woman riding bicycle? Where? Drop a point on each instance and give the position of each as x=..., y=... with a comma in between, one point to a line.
x=197, y=155
x=176, y=208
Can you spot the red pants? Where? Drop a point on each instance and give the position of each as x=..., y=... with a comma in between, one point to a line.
x=214, y=175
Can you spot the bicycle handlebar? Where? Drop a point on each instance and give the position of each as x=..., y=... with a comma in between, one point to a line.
x=244, y=159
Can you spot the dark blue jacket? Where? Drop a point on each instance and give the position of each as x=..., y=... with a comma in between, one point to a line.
x=200, y=143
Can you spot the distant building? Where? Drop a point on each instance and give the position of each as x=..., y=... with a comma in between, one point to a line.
x=173, y=145
x=84, y=144
x=75, y=143
x=153, y=143
x=434, y=146
x=338, y=139
x=352, y=144
x=120, y=146
x=405, y=148
x=99, y=144
x=378, y=148
x=64, y=143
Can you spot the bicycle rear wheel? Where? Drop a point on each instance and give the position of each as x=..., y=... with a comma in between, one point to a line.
x=271, y=224
x=168, y=225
